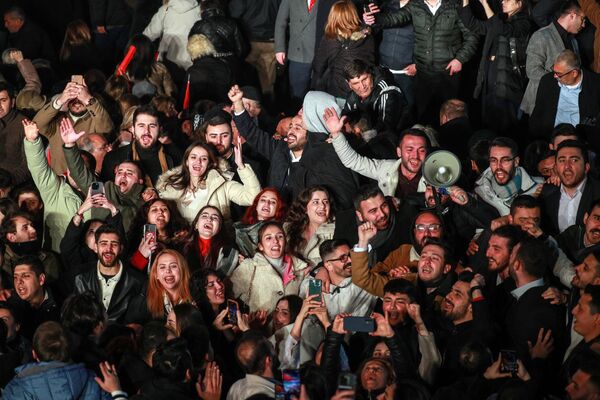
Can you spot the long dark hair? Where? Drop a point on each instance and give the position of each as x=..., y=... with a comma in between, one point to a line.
x=181, y=180
x=198, y=284
x=176, y=221
x=297, y=218
x=142, y=61
x=191, y=250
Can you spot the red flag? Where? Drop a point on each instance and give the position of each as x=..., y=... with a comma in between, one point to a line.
x=125, y=63
x=186, y=98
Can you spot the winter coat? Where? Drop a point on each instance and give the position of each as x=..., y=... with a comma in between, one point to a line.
x=310, y=252
x=95, y=120
x=223, y=32
x=12, y=155
x=220, y=192
x=258, y=284
x=109, y=13
x=172, y=23
x=510, y=73
x=256, y=17
x=53, y=380
x=397, y=44
x=299, y=44
x=439, y=38
x=160, y=78
x=334, y=54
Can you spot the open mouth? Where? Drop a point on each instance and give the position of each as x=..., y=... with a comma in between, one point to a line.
x=169, y=279
x=21, y=291
x=220, y=294
x=207, y=226
x=146, y=139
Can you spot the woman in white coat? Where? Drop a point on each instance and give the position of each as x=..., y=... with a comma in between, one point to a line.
x=172, y=23
x=262, y=280
x=197, y=183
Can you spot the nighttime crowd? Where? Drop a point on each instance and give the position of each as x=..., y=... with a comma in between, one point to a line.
x=300, y=199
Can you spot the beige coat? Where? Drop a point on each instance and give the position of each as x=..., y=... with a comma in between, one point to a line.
x=219, y=192
x=311, y=251
x=260, y=286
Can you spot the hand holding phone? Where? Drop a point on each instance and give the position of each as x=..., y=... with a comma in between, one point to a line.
x=232, y=309
x=315, y=287
x=508, y=361
x=359, y=324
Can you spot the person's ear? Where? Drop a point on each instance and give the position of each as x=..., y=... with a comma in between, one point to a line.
x=399, y=152
x=585, y=218
x=34, y=355
x=587, y=167
x=474, y=167
x=188, y=375
x=510, y=219
x=447, y=268
x=359, y=216
x=11, y=237
x=42, y=279
x=517, y=159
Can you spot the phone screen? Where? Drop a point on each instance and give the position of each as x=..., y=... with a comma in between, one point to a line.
x=232, y=308
x=347, y=381
x=291, y=383
x=150, y=233
x=315, y=286
x=508, y=361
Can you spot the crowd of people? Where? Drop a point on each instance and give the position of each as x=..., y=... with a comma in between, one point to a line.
x=233, y=199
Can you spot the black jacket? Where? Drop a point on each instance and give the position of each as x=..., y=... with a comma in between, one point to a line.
x=571, y=243
x=109, y=13
x=211, y=78
x=543, y=116
x=550, y=197
x=163, y=389
x=33, y=42
x=256, y=18
x=223, y=32
x=31, y=317
x=131, y=284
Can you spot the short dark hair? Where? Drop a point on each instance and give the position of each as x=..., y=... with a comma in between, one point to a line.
x=107, y=229
x=448, y=252
x=172, y=360
x=10, y=89
x=513, y=234
x=5, y=305
x=533, y=253
x=329, y=246
x=479, y=152
x=415, y=132
x=6, y=179
x=51, y=342
x=589, y=363
x=8, y=223
x=574, y=144
x=506, y=142
x=594, y=292
x=356, y=68
x=568, y=7
x=35, y=264
x=146, y=109
x=364, y=193
x=294, y=304
x=401, y=286
x=81, y=313
x=564, y=129
x=524, y=201
x=595, y=203
x=260, y=349
x=16, y=11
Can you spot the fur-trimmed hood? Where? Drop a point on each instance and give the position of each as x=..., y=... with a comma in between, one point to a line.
x=199, y=46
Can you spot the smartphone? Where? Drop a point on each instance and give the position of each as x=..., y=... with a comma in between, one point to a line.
x=97, y=188
x=508, y=361
x=315, y=286
x=150, y=233
x=291, y=383
x=359, y=324
x=232, y=309
x=347, y=381
x=78, y=79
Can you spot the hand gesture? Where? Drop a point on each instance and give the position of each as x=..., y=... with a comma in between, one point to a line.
x=411, y=70
x=280, y=57
x=149, y=194
x=210, y=387
x=219, y=322
x=498, y=222
x=533, y=229
x=333, y=122
x=99, y=200
x=399, y=272
x=493, y=371
x=454, y=66
x=235, y=95
x=109, y=381
x=147, y=247
x=323, y=275
x=414, y=312
x=321, y=313
x=16, y=55
x=68, y=134
x=553, y=179
x=384, y=329
x=83, y=94
x=555, y=296
x=338, y=323
x=87, y=204
x=478, y=280
x=308, y=304
x=71, y=92
x=242, y=321
x=31, y=130
x=258, y=319
x=343, y=395
x=5, y=294
x=237, y=151
x=458, y=195
x=366, y=232
x=473, y=248
x=369, y=16
x=543, y=346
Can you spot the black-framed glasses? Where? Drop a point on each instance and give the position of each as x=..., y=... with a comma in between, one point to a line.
x=559, y=76
x=343, y=258
x=502, y=161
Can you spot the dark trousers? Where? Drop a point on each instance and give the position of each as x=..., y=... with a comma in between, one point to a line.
x=431, y=90
x=299, y=75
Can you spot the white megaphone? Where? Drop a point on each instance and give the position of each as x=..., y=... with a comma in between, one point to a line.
x=441, y=169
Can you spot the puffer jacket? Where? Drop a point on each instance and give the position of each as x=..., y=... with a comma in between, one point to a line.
x=220, y=192
x=258, y=284
x=223, y=32
x=397, y=44
x=334, y=54
x=510, y=73
x=439, y=38
x=172, y=23
x=53, y=380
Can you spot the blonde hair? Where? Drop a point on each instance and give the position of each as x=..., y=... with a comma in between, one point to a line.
x=77, y=33
x=155, y=292
x=343, y=20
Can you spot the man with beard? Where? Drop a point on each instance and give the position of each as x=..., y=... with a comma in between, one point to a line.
x=85, y=112
x=125, y=193
x=285, y=172
x=154, y=157
x=399, y=178
x=565, y=205
x=577, y=240
x=465, y=319
x=21, y=238
x=114, y=284
x=405, y=257
x=344, y=296
x=504, y=179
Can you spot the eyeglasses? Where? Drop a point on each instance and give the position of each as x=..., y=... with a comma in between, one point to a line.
x=430, y=228
x=374, y=369
x=559, y=76
x=503, y=160
x=343, y=258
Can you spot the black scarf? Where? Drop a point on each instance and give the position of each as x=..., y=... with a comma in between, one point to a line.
x=26, y=248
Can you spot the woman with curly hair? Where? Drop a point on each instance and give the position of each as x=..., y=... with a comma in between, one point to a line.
x=197, y=182
x=207, y=245
x=309, y=223
x=170, y=226
x=268, y=205
x=168, y=283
